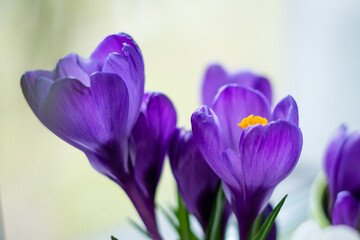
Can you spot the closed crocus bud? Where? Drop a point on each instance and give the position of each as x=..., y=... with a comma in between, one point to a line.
x=151, y=137
x=196, y=182
x=248, y=147
x=97, y=104
x=342, y=163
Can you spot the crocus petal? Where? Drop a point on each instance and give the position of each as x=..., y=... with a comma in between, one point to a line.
x=35, y=86
x=205, y=127
x=196, y=182
x=87, y=118
x=30, y=76
x=334, y=148
x=253, y=81
x=346, y=210
x=130, y=68
x=152, y=134
x=113, y=43
x=348, y=177
x=77, y=67
x=232, y=104
x=216, y=77
x=269, y=151
x=234, y=160
x=332, y=160
x=112, y=101
x=287, y=110
x=66, y=111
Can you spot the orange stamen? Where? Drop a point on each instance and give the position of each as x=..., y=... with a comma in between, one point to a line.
x=251, y=120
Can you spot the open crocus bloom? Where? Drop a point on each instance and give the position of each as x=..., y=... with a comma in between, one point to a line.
x=98, y=106
x=250, y=161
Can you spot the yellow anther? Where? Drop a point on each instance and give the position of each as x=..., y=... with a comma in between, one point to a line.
x=251, y=120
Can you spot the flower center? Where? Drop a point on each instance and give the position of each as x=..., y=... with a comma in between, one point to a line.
x=251, y=120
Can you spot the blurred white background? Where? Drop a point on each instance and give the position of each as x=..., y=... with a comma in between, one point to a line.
x=309, y=49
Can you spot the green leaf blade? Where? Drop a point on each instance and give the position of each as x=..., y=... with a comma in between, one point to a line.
x=214, y=227
x=170, y=219
x=269, y=222
x=256, y=225
x=182, y=214
x=139, y=228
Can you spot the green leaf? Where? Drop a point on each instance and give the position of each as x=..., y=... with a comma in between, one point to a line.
x=184, y=222
x=214, y=227
x=257, y=225
x=269, y=222
x=171, y=219
x=138, y=227
x=179, y=219
x=113, y=238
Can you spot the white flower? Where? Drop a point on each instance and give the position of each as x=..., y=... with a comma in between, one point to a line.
x=311, y=230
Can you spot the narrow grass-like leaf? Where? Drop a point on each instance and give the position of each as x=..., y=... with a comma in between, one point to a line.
x=138, y=227
x=257, y=225
x=184, y=222
x=266, y=227
x=214, y=227
x=113, y=238
x=171, y=219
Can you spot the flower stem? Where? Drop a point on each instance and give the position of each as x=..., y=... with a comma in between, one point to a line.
x=145, y=208
x=244, y=234
x=214, y=229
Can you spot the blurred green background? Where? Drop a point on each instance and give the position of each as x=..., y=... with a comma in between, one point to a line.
x=48, y=189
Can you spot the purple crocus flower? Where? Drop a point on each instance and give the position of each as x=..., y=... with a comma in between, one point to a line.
x=195, y=179
x=98, y=106
x=216, y=77
x=253, y=158
x=196, y=182
x=342, y=163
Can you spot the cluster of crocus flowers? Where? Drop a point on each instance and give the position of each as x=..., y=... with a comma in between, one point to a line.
x=342, y=163
x=237, y=144
x=98, y=105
